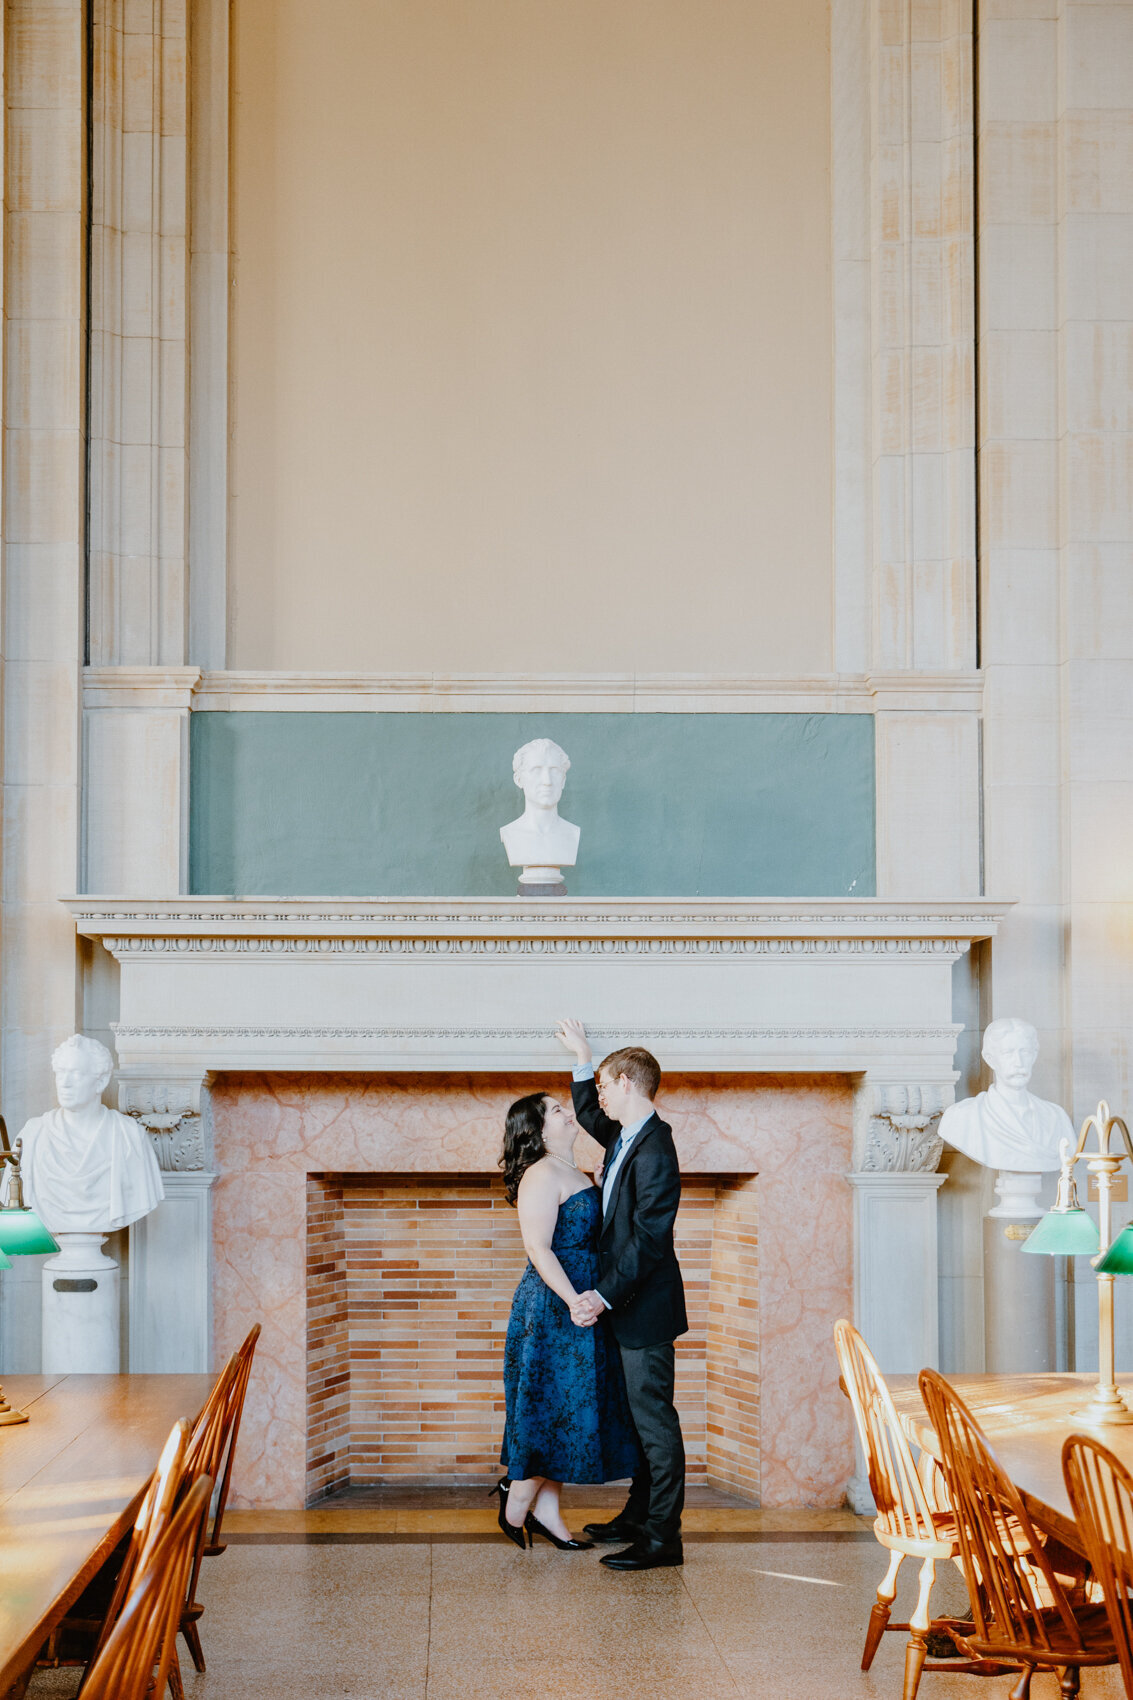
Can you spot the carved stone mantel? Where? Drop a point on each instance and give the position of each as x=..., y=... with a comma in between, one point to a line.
x=859, y=987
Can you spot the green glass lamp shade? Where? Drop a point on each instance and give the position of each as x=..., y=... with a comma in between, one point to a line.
x=1118, y=1260
x=22, y=1233
x=1065, y=1233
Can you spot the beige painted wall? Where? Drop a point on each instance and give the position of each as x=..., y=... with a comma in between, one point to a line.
x=531, y=335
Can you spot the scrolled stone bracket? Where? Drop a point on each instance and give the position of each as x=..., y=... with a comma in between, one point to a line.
x=171, y=1113
x=896, y=1127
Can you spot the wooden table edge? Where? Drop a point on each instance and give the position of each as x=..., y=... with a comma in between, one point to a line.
x=21, y=1661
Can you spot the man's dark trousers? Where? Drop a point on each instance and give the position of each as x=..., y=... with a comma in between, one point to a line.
x=657, y=1495
x=640, y=1278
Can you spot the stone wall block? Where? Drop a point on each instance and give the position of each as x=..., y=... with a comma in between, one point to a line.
x=1098, y=162
x=41, y=621
x=1098, y=494
x=173, y=71
x=1021, y=603
x=42, y=374
x=43, y=485
x=1096, y=265
x=173, y=156
x=1018, y=277
x=1020, y=393
x=1020, y=493
x=40, y=726
x=44, y=61
x=140, y=110
x=1099, y=614
x=39, y=933
x=1018, y=181
x=1097, y=52
x=43, y=254
x=44, y=149
x=1018, y=56
x=1023, y=850
x=1099, y=375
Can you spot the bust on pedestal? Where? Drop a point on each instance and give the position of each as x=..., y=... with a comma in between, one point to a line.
x=540, y=842
x=1007, y=1128
x=87, y=1171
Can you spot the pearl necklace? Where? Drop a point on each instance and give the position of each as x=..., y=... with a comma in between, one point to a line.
x=565, y=1160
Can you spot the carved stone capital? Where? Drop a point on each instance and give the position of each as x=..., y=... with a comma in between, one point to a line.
x=170, y=1111
x=896, y=1127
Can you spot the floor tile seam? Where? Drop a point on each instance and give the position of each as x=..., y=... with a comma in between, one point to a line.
x=724, y=1665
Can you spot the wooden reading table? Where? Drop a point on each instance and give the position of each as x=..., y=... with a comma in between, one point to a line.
x=71, y=1479
x=1026, y=1418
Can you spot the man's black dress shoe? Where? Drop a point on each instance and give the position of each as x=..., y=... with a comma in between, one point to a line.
x=615, y=1531
x=642, y=1557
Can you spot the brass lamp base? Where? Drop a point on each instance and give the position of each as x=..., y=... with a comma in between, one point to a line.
x=1106, y=1409
x=7, y=1415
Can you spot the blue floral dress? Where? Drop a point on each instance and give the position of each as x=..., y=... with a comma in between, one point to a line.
x=567, y=1414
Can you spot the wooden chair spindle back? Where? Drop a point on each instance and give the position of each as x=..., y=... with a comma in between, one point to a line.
x=1101, y=1493
x=898, y=1491
x=144, y=1636
x=1005, y=1567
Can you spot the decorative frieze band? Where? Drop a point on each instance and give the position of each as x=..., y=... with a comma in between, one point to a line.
x=836, y=1037
x=227, y=945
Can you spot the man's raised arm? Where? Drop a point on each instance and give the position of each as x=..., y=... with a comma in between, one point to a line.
x=584, y=1090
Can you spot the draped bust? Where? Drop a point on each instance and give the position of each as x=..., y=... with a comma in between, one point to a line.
x=1007, y=1127
x=540, y=840
x=87, y=1169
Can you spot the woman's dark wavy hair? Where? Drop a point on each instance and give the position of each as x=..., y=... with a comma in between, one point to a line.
x=523, y=1140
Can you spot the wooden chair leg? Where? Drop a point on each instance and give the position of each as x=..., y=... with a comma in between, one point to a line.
x=1022, y=1688
x=1069, y=1682
x=193, y=1642
x=879, y=1616
x=915, y=1655
x=176, y=1684
x=917, y=1650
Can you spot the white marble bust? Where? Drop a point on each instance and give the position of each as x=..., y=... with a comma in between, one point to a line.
x=1007, y=1127
x=87, y=1169
x=540, y=841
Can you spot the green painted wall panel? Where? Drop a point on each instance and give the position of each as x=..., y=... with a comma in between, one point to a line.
x=681, y=805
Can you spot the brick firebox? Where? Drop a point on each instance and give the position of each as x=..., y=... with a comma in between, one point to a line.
x=410, y=1279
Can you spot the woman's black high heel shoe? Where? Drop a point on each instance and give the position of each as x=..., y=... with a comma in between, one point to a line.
x=518, y=1535
x=537, y=1528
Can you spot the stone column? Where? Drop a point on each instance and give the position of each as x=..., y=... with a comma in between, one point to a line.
x=170, y=1249
x=42, y=626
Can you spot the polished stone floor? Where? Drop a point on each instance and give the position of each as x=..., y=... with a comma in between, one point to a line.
x=777, y=1614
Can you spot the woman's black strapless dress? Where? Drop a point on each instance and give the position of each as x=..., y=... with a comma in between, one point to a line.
x=567, y=1414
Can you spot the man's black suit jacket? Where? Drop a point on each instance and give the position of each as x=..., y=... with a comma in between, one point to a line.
x=638, y=1272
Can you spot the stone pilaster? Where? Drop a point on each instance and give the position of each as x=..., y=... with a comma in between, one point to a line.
x=44, y=173
x=897, y=1148
x=171, y=1248
x=923, y=295
x=138, y=326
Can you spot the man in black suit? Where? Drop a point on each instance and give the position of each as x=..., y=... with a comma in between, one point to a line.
x=639, y=1283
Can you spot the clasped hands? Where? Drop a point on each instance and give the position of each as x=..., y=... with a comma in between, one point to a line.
x=586, y=1309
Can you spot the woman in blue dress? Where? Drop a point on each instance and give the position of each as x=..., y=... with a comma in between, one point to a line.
x=567, y=1415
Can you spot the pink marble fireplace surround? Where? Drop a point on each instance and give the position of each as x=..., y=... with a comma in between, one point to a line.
x=794, y=1131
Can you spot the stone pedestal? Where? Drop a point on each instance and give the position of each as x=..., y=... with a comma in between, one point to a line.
x=1019, y=1329
x=80, y=1308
